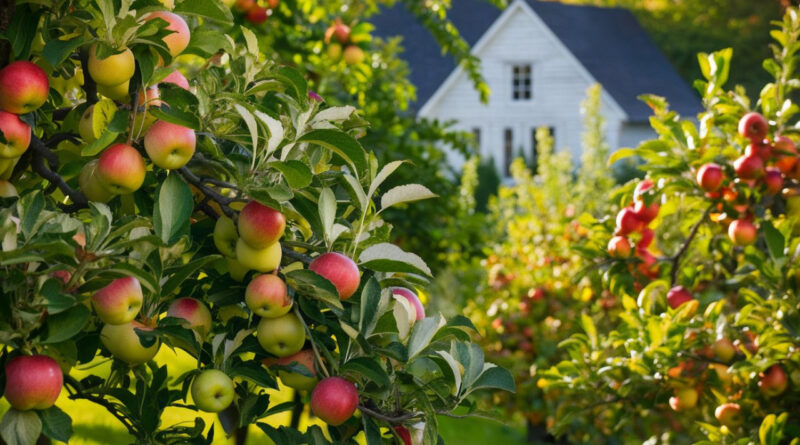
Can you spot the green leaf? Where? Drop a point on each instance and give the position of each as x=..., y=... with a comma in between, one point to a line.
x=370, y=304
x=368, y=369
x=298, y=83
x=372, y=433
x=252, y=127
x=622, y=153
x=205, y=42
x=209, y=9
x=296, y=173
x=22, y=29
x=342, y=144
x=173, y=207
x=30, y=211
x=100, y=144
x=422, y=333
x=20, y=427
x=308, y=282
x=56, y=424
x=56, y=51
x=382, y=175
x=775, y=240
x=494, y=377
x=177, y=116
x=405, y=193
x=588, y=326
x=386, y=257
x=67, y=324
x=185, y=272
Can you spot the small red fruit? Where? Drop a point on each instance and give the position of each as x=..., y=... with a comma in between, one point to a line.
x=641, y=188
x=619, y=247
x=647, y=238
x=773, y=381
x=404, y=434
x=729, y=414
x=742, y=232
x=761, y=149
x=773, y=180
x=677, y=296
x=786, y=153
x=749, y=167
x=646, y=213
x=709, y=177
x=753, y=126
x=257, y=15
x=334, y=400
x=628, y=221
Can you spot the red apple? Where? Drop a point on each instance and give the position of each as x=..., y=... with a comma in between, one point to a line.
x=749, y=167
x=244, y=5
x=645, y=186
x=178, y=40
x=194, y=313
x=292, y=379
x=339, y=270
x=267, y=296
x=729, y=414
x=176, y=78
x=677, y=296
x=536, y=294
x=646, y=213
x=761, y=149
x=260, y=226
x=709, y=177
x=32, y=382
x=786, y=153
x=121, y=168
x=412, y=298
x=628, y=222
x=773, y=180
x=773, y=381
x=404, y=434
x=119, y=302
x=168, y=145
x=257, y=15
x=334, y=400
x=742, y=232
x=753, y=126
x=23, y=87
x=15, y=136
x=619, y=247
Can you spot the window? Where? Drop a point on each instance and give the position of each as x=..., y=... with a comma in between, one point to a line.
x=476, y=135
x=508, y=151
x=521, y=82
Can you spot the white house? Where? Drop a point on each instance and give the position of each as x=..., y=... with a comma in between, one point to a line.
x=539, y=58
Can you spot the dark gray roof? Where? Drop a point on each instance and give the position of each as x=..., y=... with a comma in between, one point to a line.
x=609, y=42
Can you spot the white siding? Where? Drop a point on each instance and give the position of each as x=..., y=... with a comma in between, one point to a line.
x=559, y=87
x=632, y=134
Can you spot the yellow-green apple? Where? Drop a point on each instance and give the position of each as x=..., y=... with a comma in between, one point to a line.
x=32, y=382
x=168, y=145
x=117, y=92
x=742, y=232
x=281, y=336
x=619, y=247
x=176, y=78
x=121, y=168
x=261, y=260
x=119, y=302
x=259, y=225
x=729, y=414
x=23, y=87
x=353, y=55
x=178, y=39
x=724, y=350
x=677, y=296
x=236, y=270
x=230, y=311
x=194, y=313
x=86, y=125
x=169, y=4
x=266, y=295
x=303, y=360
x=7, y=189
x=257, y=15
x=225, y=236
x=212, y=391
x=753, y=126
x=786, y=153
x=709, y=177
x=412, y=298
x=773, y=381
x=339, y=270
x=122, y=342
x=773, y=181
x=91, y=186
x=15, y=136
x=7, y=167
x=684, y=398
x=334, y=400
x=628, y=222
x=115, y=69
x=749, y=167
x=335, y=51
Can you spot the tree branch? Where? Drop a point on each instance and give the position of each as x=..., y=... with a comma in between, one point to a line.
x=223, y=201
x=41, y=156
x=685, y=247
x=389, y=418
x=89, y=87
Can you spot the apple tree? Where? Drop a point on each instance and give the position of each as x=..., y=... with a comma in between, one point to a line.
x=225, y=210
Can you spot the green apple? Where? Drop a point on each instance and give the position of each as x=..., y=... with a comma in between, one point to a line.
x=123, y=343
x=91, y=186
x=262, y=260
x=225, y=236
x=236, y=270
x=7, y=189
x=303, y=360
x=118, y=92
x=281, y=336
x=115, y=69
x=212, y=391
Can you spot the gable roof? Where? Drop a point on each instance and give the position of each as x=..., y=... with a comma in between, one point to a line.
x=608, y=42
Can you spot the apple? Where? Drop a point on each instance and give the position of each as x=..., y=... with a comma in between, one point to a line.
x=86, y=125
x=178, y=40
x=753, y=126
x=762, y=149
x=118, y=92
x=645, y=186
x=773, y=381
x=121, y=169
x=684, y=398
x=15, y=136
x=235, y=269
x=619, y=247
x=114, y=70
x=32, y=382
x=273, y=3
x=339, y=270
x=244, y=5
x=194, y=312
x=91, y=186
x=724, y=350
x=24, y=87
x=742, y=232
x=646, y=213
x=176, y=78
x=628, y=222
x=267, y=297
x=335, y=52
x=212, y=391
x=729, y=414
x=353, y=55
x=225, y=236
x=334, y=400
x=122, y=342
x=749, y=167
x=296, y=380
x=169, y=4
x=404, y=434
x=786, y=154
x=722, y=372
x=257, y=15
x=648, y=264
x=261, y=260
x=773, y=180
x=7, y=189
x=647, y=238
x=677, y=296
x=259, y=225
x=412, y=298
x=119, y=302
x=168, y=145
x=281, y=336
x=341, y=32
x=709, y=177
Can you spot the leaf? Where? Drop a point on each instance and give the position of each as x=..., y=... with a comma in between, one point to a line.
x=185, y=272
x=298, y=83
x=370, y=304
x=588, y=326
x=56, y=424
x=56, y=51
x=405, y=193
x=372, y=433
x=20, y=427
x=210, y=9
x=355, y=188
x=386, y=257
x=100, y=144
x=205, y=42
x=494, y=377
x=620, y=154
x=172, y=209
x=327, y=212
x=342, y=144
x=276, y=132
x=67, y=324
x=177, y=116
x=308, y=282
x=252, y=127
x=333, y=114
x=296, y=173
x=421, y=335
x=775, y=240
x=368, y=369
x=22, y=29
x=453, y=364
x=385, y=172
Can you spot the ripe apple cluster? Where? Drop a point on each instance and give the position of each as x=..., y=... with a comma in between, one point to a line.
x=632, y=223
x=254, y=12
x=340, y=44
x=24, y=88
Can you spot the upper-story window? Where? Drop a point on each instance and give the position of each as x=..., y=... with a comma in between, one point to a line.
x=521, y=82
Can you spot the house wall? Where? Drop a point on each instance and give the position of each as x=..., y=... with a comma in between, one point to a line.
x=559, y=87
x=631, y=134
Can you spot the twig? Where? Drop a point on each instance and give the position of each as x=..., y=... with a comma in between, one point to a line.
x=39, y=154
x=685, y=247
x=389, y=418
x=305, y=259
x=89, y=87
x=313, y=343
x=223, y=201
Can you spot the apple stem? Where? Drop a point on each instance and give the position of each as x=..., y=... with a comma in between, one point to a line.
x=685, y=247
